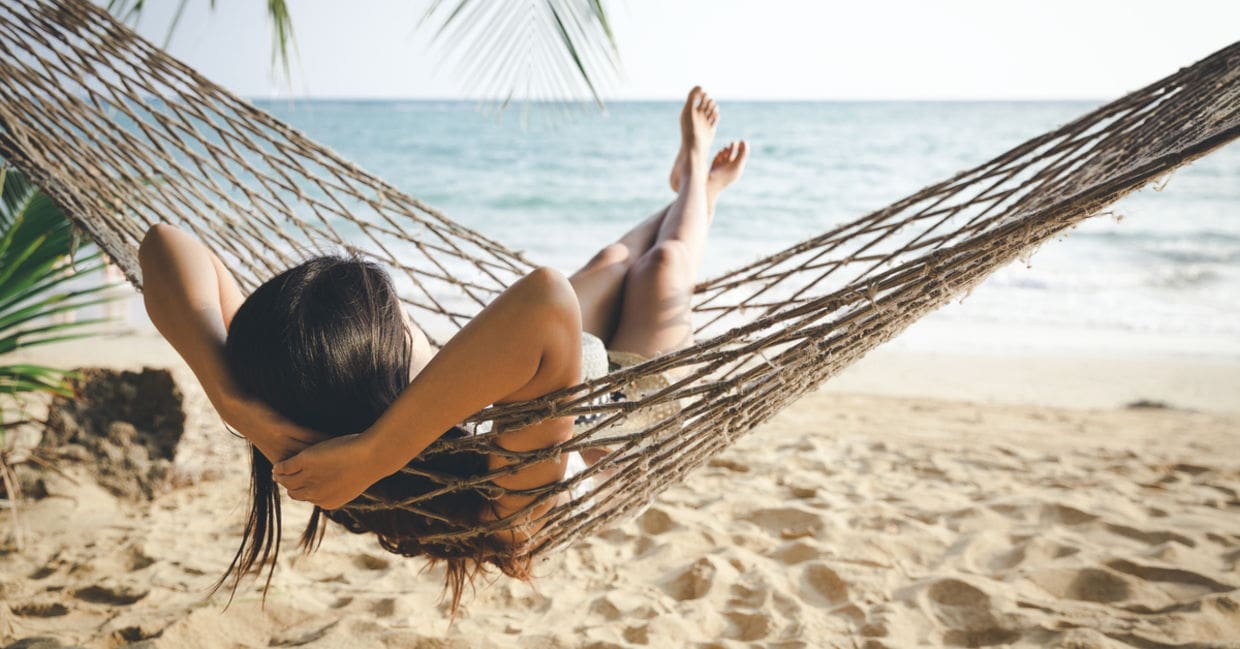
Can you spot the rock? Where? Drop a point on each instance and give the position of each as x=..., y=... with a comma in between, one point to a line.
x=121, y=432
x=125, y=426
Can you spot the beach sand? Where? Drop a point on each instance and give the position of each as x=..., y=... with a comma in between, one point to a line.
x=919, y=500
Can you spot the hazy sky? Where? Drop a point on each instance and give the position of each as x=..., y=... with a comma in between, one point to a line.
x=769, y=49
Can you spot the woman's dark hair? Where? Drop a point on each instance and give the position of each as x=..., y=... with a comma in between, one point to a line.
x=324, y=344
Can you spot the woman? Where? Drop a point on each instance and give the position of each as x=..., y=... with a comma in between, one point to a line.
x=314, y=368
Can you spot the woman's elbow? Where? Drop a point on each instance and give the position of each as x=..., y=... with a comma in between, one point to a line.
x=154, y=242
x=157, y=256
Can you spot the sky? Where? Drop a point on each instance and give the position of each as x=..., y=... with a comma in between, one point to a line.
x=738, y=49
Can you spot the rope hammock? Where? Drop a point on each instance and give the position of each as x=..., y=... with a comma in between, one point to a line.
x=124, y=136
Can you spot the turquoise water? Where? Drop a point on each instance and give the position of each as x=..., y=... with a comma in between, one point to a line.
x=1165, y=278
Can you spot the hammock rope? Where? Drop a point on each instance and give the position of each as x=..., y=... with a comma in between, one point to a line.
x=123, y=136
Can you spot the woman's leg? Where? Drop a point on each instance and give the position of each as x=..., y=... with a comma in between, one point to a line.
x=600, y=283
x=655, y=306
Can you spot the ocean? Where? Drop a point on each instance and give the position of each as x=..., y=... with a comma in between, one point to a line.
x=1159, y=276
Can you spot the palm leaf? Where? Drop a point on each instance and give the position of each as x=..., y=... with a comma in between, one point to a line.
x=33, y=336
x=544, y=50
x=36, y=239
x=20, y=292
x=129, y=11
x=53, y=305
x=281, y=33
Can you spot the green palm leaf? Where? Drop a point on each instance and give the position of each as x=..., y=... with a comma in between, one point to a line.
x=544, y=50
x=36, y=275
x=34, y=378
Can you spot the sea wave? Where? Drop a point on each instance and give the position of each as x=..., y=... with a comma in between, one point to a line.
x=1172, y=264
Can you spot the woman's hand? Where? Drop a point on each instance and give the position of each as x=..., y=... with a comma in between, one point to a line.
x=277, y=438
x=329, y=474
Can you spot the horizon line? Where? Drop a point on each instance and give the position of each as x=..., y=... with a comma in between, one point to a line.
x=653, y=100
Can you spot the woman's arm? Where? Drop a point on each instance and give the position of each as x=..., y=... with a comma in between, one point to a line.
x=191, y=299
x=524, y=344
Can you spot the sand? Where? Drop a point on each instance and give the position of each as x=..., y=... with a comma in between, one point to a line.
x=920, y=500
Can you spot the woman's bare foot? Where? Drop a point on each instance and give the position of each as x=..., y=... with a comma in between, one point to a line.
x=725, y=169
x=695, y=95
x=697, y=132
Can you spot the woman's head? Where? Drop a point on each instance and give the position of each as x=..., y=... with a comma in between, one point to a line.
x=324, y=343
x=327, y=345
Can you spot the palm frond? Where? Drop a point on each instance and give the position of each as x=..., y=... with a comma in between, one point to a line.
x=539, y=50
x=43, y=334
x=176, y=20
x=35, y=284
x=50, y=306
x=129, y=11
x=281, y=34
x=34, y=378
x=126, y=10
x=36, y=240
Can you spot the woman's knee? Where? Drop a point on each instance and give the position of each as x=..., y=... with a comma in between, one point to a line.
x=616, y=254
x=669, y=258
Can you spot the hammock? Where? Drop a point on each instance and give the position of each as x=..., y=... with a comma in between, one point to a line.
x=123, y=136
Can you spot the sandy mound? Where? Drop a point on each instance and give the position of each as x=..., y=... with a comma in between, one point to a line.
x=123, y=426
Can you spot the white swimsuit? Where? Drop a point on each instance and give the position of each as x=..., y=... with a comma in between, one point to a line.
x=594, y=365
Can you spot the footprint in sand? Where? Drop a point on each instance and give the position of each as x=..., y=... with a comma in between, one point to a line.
x=790, y=554
x=43, y=572
x=1152, y=537
x=138, y=559
x=1064, y=515
x=823, y=586
x=968, y=614
x=115, y=595
x=1191, y=469
x=606, y=609
x=385, y=607
x=637, y=634
x=616, y=605
x=655, y=521
x=39, y=609
x=1085, y=585
x=749, y=626
x=1227, y=541
x=786, y=522
x=1181, y=585
x=729, y=464
x=745, y=597
x=693, y=582
x=371, y=562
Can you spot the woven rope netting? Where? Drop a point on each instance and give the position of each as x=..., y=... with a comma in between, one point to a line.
x=123, y=136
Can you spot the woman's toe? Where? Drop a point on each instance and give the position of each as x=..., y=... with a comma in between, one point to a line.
x=742, y=152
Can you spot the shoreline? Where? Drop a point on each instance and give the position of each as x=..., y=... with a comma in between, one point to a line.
x=1082, y=380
